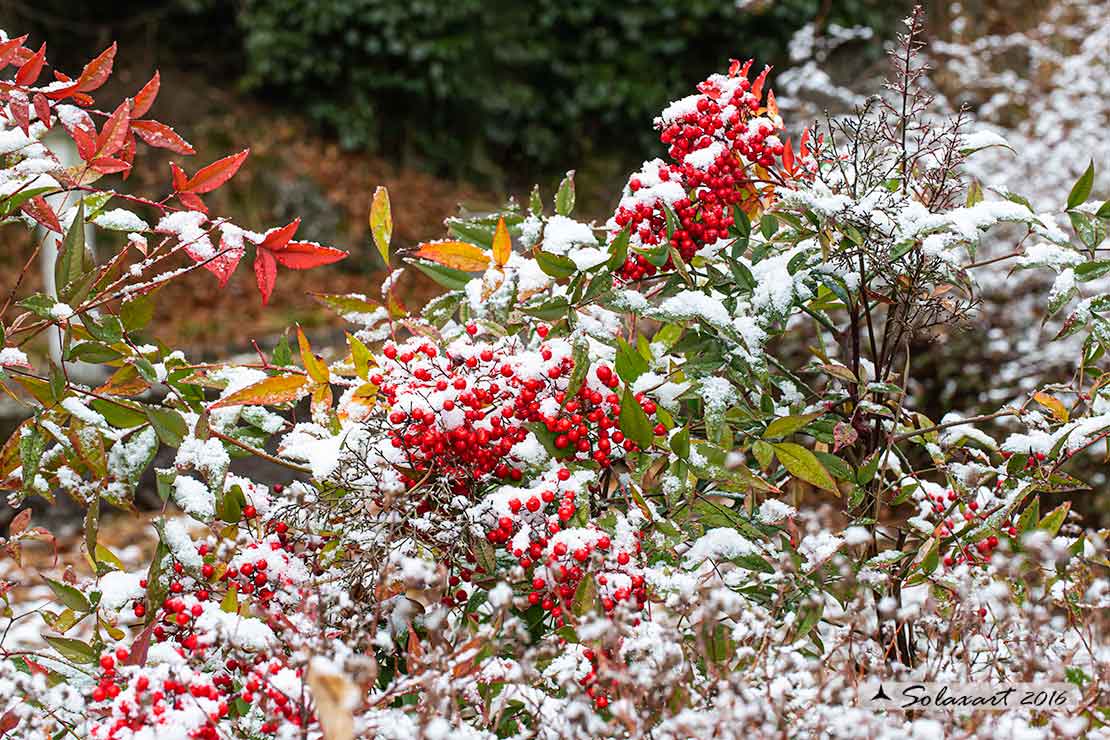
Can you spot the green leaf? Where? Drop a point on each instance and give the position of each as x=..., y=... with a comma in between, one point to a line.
x=555, y=265
x=564, y=198
x=1054, y=519
x=549, y=310
x=121, y=414
x=137, y=312
x=634, y=422
x=768, y=225
x=92, y=352
x=629, y=363
x=585, y=596
x=801, y=463
x=1029, y=517
x=73, y=650
x=680, y=443
x=535, y=202
x=447, y=277
x=1082, y=188
x=168, y=425
x=283, y=353
x=786, y=425
x=31, y=446
x=1092, y=270
x=581, y=358
x=69, y=596
x=618, y=249
x=73, y=261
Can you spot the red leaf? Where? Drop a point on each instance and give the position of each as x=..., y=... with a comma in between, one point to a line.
x=8, y=49
x=306, y=255
x=109, y=165
x=162, y=136
x=216, y=174
x=224, y=265
x=276, y=239
x=265, y=273
x=85, y=141
x=21, y=112
x=128, y=154
x=179, y=177
x=38, y=209
x=42, y=108
x=32, y=68
x=192, y=202
x=146, y=96
x=114, y=134
x=64, y=92
x=788, y=157
x=757, y=86
x=97, y=71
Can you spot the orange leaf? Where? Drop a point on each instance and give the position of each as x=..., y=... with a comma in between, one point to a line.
x=306, y=255
x=97, y=71
x=162, y=136
x=456, y=255
x=273, y=390
x=145, y=97
x=502, y=245
x=772, y=104
x=31, y=69
x=316, y=368
x=216, y=174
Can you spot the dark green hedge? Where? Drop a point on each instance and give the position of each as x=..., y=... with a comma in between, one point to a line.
x=533, y=84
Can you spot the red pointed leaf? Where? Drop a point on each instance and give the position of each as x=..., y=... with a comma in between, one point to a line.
x=216, y=174
x=109, y=165
x=127, y=154
x=97, y=71
x=224, y=265
x=21, y=112
x=179, y=177
x=192, y=202
x=38, y=209
x=162, y=136
x=32, y=68
x=276, y=239
x=42, y=108
x=306, y=255
x=265, y=273
x=64, y=92
x=788, y=157
x=114, y=134
x=146, y=96
x=757, y=86
x=8, y=49
x=86, y=142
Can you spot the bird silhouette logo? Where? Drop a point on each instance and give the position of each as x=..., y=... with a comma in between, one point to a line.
x=880, y=694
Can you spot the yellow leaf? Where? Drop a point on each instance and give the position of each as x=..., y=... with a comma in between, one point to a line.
x=456, y=255
x=313, y=365
x=276, y=389
x=381, y=222
x=502, y=245
x=321, y=403
x=360, y=356
x=1053, y=404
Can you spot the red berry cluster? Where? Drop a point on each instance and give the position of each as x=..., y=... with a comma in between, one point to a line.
x=715, y=138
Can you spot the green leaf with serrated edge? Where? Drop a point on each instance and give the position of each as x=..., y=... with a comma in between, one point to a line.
x=801, y=463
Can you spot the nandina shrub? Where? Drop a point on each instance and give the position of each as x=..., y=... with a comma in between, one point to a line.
x=595, y=488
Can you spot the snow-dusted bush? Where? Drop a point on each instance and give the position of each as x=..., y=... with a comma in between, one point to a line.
x=584, y=492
